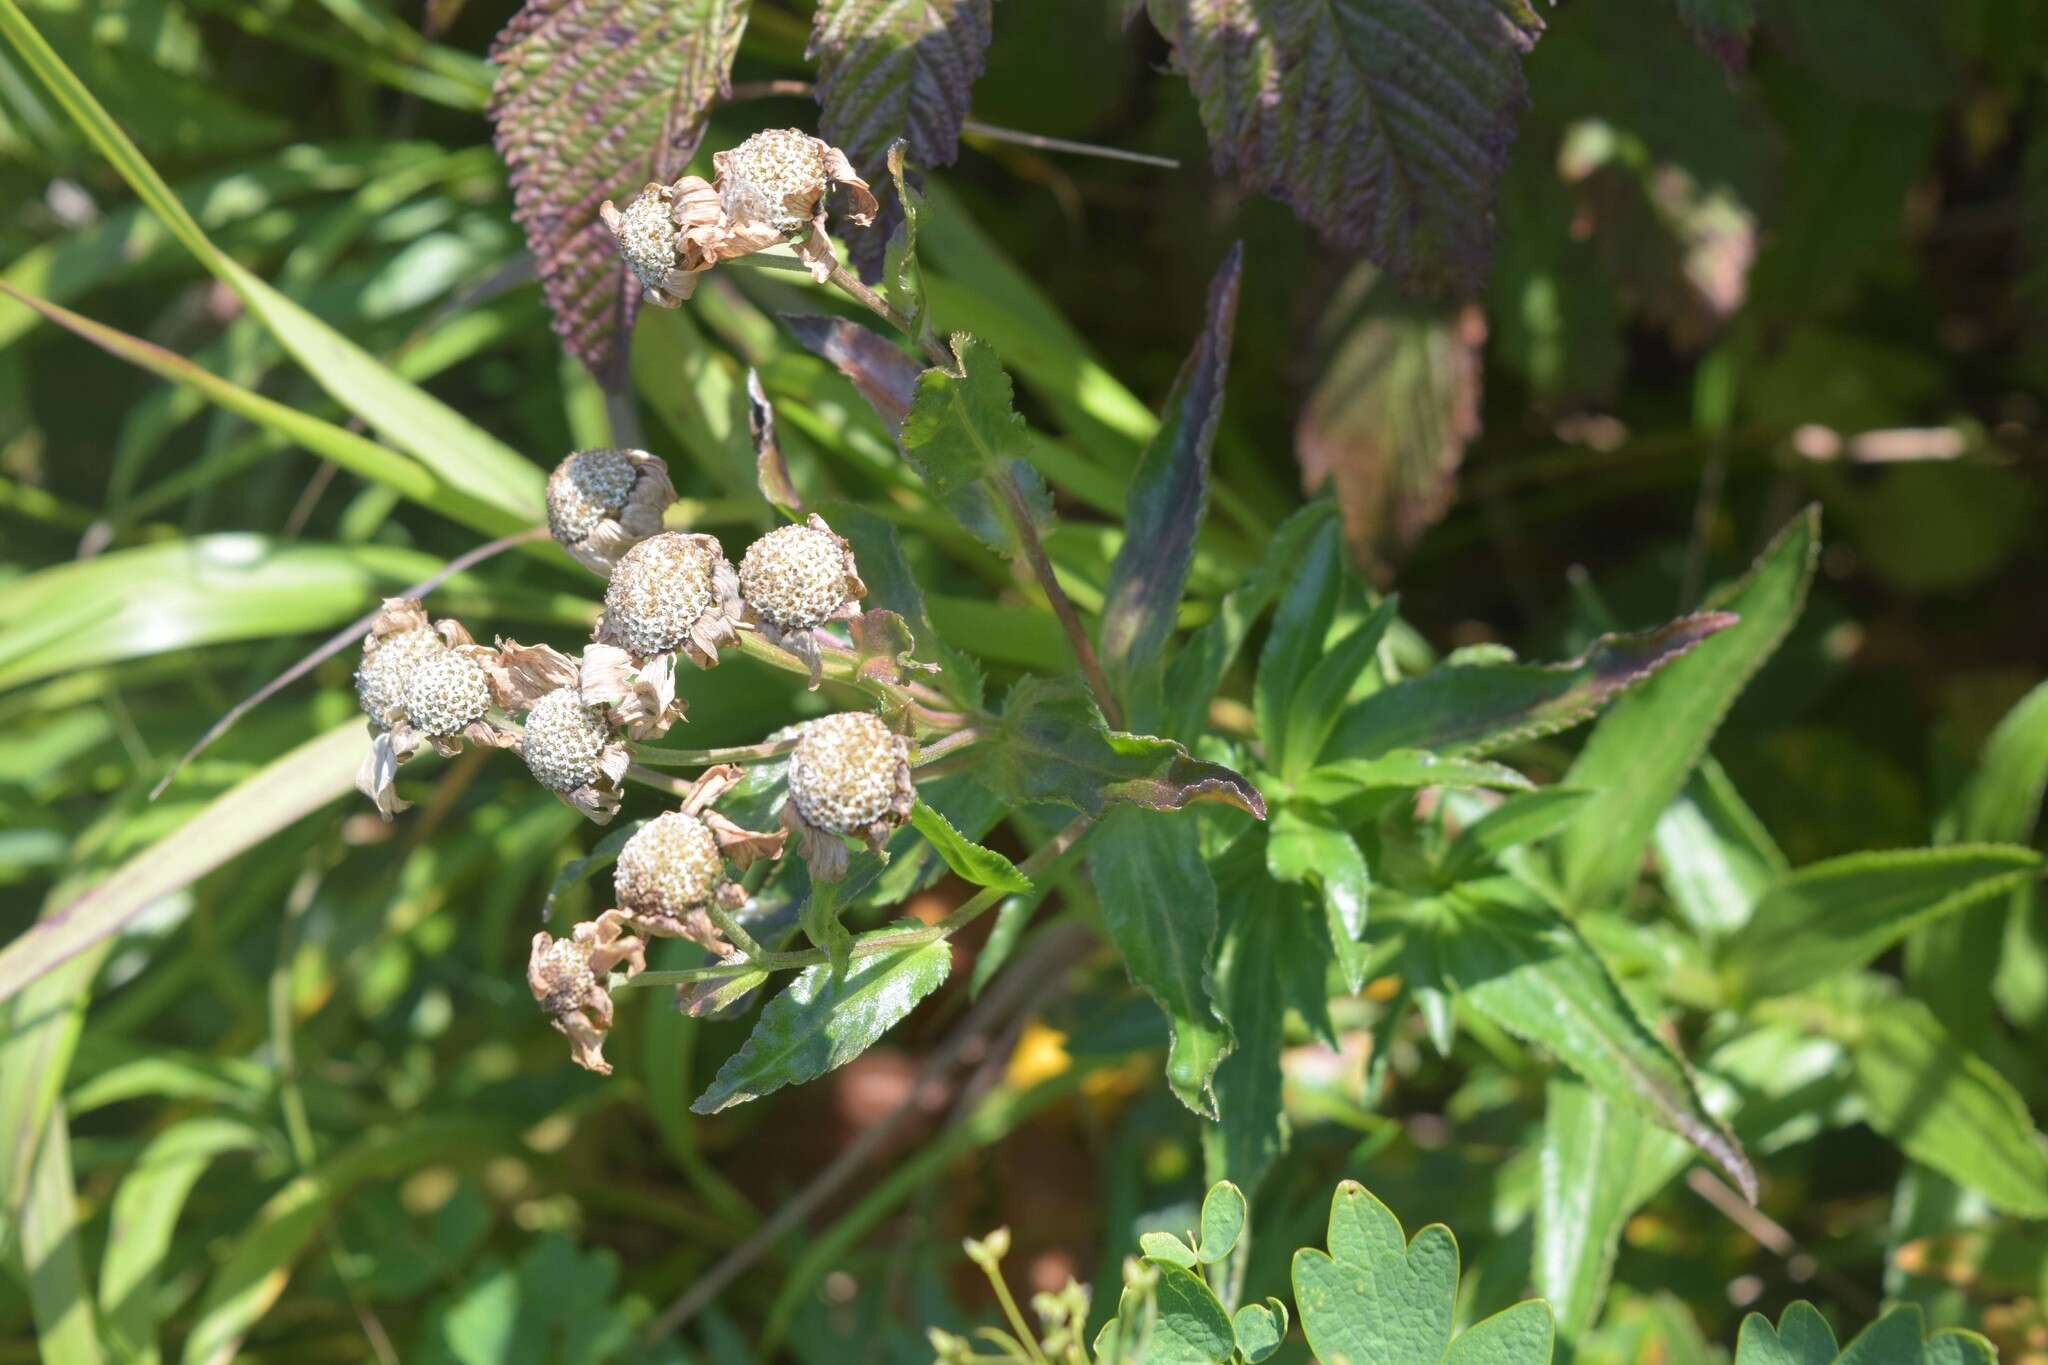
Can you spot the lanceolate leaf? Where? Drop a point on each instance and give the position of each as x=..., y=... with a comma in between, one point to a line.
x=1471, y=710
x=1532, y=973
x=824, y=1019
x=1388, y=422
x=1384, y=123
x=885, y=376
x=1839, y=915
x=1640, y=753
x=594, y=99
x=1159, y=905
x=1944, y=1105
x=969, y=860
x=1052, y=745
x=1164, y=507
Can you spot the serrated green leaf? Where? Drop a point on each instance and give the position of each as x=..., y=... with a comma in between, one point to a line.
x=1639, y=755
x=969, y=860
x=1052, y=745
x=1945, y=1106
x=1839, y=915
x=1598, y=1163
x=1167, y=1249
x=1223, y=1216
x=1294, y=644
x=1159, y=906
x=1163, y=510
x=1531, y=972
x=593, y=100
x=824, y=1019
x=1302, y=849
x=1519, y=820
x=1403, y=769
x=1319, y=701
x=1473, y=710
x=963, y=427
x=1384, y=125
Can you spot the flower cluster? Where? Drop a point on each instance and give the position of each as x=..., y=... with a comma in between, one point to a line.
x=671, y=597
x=767, y=191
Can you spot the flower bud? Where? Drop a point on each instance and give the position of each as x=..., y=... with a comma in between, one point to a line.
x=665, y=594
x=388, y=664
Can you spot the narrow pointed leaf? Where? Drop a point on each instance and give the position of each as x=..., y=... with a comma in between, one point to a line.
x=824, y=1019
x=969, y=860
x=1164, y=507
x=1639, y=755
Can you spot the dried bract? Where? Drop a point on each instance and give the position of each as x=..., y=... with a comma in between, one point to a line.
x=603, y=502
x=570, y=976
x=768, y=190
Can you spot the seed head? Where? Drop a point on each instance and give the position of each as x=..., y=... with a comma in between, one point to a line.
x=659, y=589
x=847, y=772
x=445, y=693
x=759, y=177
x=563, y=740
x=585, y=489
x=795, y=576
x=562, y=972
x=646, y=235
x=388, y=662
x=672, y=866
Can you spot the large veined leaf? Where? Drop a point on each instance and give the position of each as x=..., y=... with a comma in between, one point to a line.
x=1384, y=123
x=889, y=69
x=594, y=99
x=1377, y=1295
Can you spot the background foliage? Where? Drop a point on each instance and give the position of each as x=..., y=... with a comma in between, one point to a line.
x=1559, y=341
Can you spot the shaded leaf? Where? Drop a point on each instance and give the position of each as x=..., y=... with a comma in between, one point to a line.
x=1715, y=855
x=1532, y=973
x=1319, y=701
x=1159, y=906
x=1639, y=755
x=1472, y=710
x=891, y=585
x=1722, y=27
x=1384, y=125
x=1944, y=1105
x=1294, y=645
x=963, y=433
x=45, y=1235
x=1259, y=1329
x=1839, y=915
x=1192, y=1328
x=1164, y=507
x=824, y=1019
x=1303, y=849
x=1403, y=769
x=1519, y=820
x=1387, y=423
x=1802, y=1337
x=1051, y=744
x=969, y=860
x=594, y=99
x=771, y=470
x=879, y=370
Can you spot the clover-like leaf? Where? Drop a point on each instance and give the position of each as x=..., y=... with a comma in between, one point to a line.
x=1384, y=123
x=1164, y=1246
x=1803, y=1337
x=595, y=98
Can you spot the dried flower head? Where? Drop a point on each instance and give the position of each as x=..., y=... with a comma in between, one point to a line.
x=399, y=639
x=445, y=696
x=671, y=595
x=795, y=579
x=768, y=190
x=569, y=978
x=672, y=872
x=849, y=776
x=569, y=747
x=603, y=502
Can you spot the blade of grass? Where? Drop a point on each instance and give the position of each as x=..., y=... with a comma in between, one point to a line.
x=65, y=1331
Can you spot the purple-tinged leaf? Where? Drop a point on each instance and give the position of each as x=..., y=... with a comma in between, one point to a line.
x=1384, y=123
x=1477, y=709
x=885, y=376
x=1388, y=422
x=1164, y=507
x=594, y=99
x=771, y=470
x=1052, y=745
x=889, y=70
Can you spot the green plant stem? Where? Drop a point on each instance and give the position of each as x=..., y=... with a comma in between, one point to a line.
x=1005, y=486
x=734, y=931
x=705, y=758
x=1038, y=864
x=925, y=706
